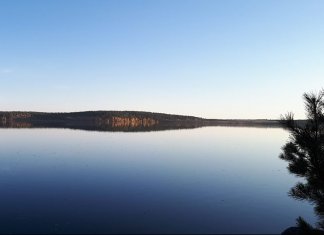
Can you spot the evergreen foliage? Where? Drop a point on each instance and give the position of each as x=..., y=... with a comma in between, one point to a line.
x=304, y=153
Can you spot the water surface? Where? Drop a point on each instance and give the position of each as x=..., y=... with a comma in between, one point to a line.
x=205, y=180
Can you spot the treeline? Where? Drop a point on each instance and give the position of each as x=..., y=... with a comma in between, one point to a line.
x=100, y=120
x=92, y=115
x=126, y=120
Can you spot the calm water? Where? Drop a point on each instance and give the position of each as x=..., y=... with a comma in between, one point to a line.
x=206, y=180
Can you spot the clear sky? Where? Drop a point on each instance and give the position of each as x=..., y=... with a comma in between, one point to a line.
x=217, y=59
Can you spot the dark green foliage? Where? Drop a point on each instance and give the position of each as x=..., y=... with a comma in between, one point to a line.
x=305, y=156
x=301, y=223
x=305, y=150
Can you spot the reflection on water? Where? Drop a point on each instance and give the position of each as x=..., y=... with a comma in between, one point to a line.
x=116, y=124
x=205, y=180
x=134, y=124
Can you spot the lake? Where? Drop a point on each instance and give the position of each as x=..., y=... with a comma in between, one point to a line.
x=204, y=180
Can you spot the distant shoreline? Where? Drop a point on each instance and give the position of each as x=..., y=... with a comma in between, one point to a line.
x=121, y=121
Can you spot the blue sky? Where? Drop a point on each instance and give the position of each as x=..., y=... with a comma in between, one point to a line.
x=217, y=59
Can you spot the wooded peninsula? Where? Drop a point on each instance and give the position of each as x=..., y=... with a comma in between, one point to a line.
x=120, y=121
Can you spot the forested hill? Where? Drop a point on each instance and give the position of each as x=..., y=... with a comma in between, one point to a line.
x=99, y=120
x=94, y=115
x=120, y=120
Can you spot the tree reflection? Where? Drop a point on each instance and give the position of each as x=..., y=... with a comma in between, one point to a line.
x=304, y=153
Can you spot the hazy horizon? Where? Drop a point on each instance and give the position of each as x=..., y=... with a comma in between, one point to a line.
x=210, y=59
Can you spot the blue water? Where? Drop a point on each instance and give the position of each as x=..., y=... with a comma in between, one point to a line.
x=206, y=180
